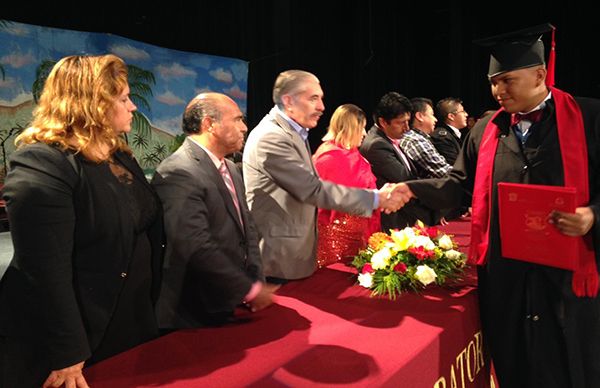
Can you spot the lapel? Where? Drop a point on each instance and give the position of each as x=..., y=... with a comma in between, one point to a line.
x=205, y=163
x=506, y=137
x=300, y=144
x=403, y=161
x=130, y=163
x=453, y=135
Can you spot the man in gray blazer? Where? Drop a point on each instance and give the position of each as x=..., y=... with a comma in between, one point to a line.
x=213, y=262
x=282, y=186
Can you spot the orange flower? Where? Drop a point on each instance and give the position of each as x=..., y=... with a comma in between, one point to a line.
x=378, y=240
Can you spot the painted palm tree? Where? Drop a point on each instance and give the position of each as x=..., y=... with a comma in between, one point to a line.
x=140, y=85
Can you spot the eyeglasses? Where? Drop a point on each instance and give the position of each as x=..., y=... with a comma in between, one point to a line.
x=459, y=111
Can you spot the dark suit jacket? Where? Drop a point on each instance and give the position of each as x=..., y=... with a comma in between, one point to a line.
x=212, y=260
x=446, y=142
x=64, y=280
x=387, y=166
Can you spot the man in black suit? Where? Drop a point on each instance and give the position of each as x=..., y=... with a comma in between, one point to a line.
x=447, y=137
x=213, y=262
x=389, y=163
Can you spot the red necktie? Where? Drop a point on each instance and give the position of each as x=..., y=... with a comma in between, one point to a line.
x=532, y=117
x=229, y=183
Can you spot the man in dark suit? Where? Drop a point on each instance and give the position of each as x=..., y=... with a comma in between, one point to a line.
x=447, y=137
x=213, y=262
x=389, y=163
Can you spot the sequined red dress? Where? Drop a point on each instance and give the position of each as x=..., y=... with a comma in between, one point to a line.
x=342, y=235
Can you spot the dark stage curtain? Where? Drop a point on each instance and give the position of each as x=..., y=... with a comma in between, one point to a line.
x=360, y=49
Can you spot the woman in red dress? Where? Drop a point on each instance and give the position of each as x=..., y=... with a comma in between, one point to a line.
x=337, y=159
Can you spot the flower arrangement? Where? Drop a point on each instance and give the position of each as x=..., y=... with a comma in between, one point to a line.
x=405, y=259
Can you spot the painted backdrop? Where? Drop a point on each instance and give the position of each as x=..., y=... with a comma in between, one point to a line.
x=162, y=82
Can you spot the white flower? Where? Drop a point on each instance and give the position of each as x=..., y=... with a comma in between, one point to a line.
x=445, y=242
x=425, y=274
x=381, y=258
x=453, y=254
x=425, y=242
x=365, y=280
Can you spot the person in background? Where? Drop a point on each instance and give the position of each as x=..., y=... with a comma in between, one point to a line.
x=342, y=235
x=389, y=163
x=86, y=228
x=470, y=124
x=213, y=261
x=447, y=137
x=542, y=323
x=417, y=144
x=282, y=187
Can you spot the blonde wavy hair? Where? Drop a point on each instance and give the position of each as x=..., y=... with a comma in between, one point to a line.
x=346, y=126
x=73, y=107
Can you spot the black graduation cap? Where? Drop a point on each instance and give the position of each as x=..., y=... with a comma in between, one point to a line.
x=518, y=50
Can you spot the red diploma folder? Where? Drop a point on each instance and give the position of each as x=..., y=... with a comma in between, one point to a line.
x=525, y=233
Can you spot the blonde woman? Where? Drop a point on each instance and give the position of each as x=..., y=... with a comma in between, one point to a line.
x=86, y=227
x=337, y=159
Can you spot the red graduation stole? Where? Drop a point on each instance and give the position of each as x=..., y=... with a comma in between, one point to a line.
x=573, y=149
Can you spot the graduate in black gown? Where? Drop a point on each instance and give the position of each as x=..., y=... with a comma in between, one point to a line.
x=86, y=228
x=541, y=323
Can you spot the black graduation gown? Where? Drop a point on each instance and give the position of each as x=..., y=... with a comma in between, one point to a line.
x=538, y=333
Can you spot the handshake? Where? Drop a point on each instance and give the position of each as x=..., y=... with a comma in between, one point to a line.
x=392, y=196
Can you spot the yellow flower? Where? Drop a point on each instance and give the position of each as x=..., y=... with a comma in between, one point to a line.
x=381, y=259
x=403, y=239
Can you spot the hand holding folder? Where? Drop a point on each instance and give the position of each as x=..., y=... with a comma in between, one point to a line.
x=525, y=232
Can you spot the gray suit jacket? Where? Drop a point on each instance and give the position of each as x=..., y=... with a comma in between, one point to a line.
x=283, y=192
x=212, y=259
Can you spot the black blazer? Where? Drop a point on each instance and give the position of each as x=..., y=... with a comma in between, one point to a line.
x=446, y=142
x=387, y=166
x=212, y=259
x=72, y=251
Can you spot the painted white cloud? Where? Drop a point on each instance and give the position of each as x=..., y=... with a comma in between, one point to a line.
x=240, y=71
x=175, y=70
x=236, y=93
x=222, y=75
x=170, y=99
x=129, y=53
x=18, y=60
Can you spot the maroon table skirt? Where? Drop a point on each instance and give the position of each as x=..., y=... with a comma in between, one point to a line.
x=322, y=331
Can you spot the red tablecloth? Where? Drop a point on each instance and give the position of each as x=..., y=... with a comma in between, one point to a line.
x=323, y=331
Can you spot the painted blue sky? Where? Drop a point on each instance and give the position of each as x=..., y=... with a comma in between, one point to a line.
x=179, y=75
